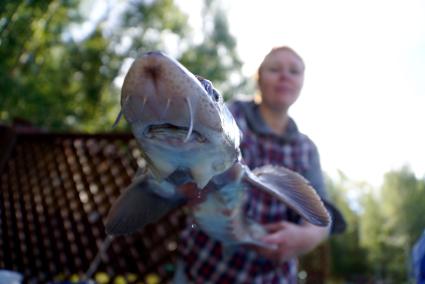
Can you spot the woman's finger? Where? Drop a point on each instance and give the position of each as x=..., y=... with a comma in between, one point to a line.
x=274, y=238
x=274, y=227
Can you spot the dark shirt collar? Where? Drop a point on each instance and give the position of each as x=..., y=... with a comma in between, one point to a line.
x=258, y=125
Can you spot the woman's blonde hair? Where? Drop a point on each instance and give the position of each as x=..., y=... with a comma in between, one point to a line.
x=279, y=48
x=257, y=97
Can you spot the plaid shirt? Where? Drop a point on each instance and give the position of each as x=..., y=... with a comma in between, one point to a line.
x=204, y=258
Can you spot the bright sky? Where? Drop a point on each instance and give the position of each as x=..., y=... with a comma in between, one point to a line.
x=363, y=101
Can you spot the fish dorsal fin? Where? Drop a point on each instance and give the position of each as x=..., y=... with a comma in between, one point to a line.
x=138, y=206
x=292, y=189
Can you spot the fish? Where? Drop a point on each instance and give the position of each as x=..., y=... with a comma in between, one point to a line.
x=190, y=140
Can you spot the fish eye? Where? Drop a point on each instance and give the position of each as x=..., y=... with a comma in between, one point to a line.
x=215, y=95
x=209, y=88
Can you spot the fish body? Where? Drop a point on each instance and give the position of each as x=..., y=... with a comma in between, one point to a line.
x=188, y=136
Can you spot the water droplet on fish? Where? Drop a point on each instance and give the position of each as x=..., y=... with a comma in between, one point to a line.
x=193, y=226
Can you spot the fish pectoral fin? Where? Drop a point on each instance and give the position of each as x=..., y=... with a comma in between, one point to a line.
x=137, y=207
x=292, y=189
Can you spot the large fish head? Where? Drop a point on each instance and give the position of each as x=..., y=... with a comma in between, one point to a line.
x=179, y=120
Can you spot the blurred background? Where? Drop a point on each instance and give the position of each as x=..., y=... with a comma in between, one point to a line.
x=62, y=64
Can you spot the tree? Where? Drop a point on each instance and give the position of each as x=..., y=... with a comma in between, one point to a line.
x=215, y=58
x=347, y=255
x=30, y=41
x=403, y=203
x=373, y=235
x=392, y=221
x=60, y=82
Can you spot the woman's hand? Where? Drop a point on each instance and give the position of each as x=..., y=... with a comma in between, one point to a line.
x=291, y=240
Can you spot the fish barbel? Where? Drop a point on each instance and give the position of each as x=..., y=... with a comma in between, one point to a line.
x=187, y=135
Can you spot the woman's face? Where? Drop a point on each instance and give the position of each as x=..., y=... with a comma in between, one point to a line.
x=280, y=79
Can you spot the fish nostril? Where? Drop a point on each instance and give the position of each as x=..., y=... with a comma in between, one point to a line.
x=154, y=71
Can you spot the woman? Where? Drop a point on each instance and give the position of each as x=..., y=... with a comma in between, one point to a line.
x=270, y=136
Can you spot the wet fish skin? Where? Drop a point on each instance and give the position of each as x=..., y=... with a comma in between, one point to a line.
x=155, y=81
x=188, y=136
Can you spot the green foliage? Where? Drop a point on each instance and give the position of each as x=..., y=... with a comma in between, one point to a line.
x=404, y=199
x=28, y=41
x=146, y=23
x=383, y=223
x=58, y=82
x=347, y=255
x=215, y=58
x=392, y=221
x=381, y=230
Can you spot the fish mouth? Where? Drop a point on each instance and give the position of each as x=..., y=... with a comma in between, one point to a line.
x=173, y=134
